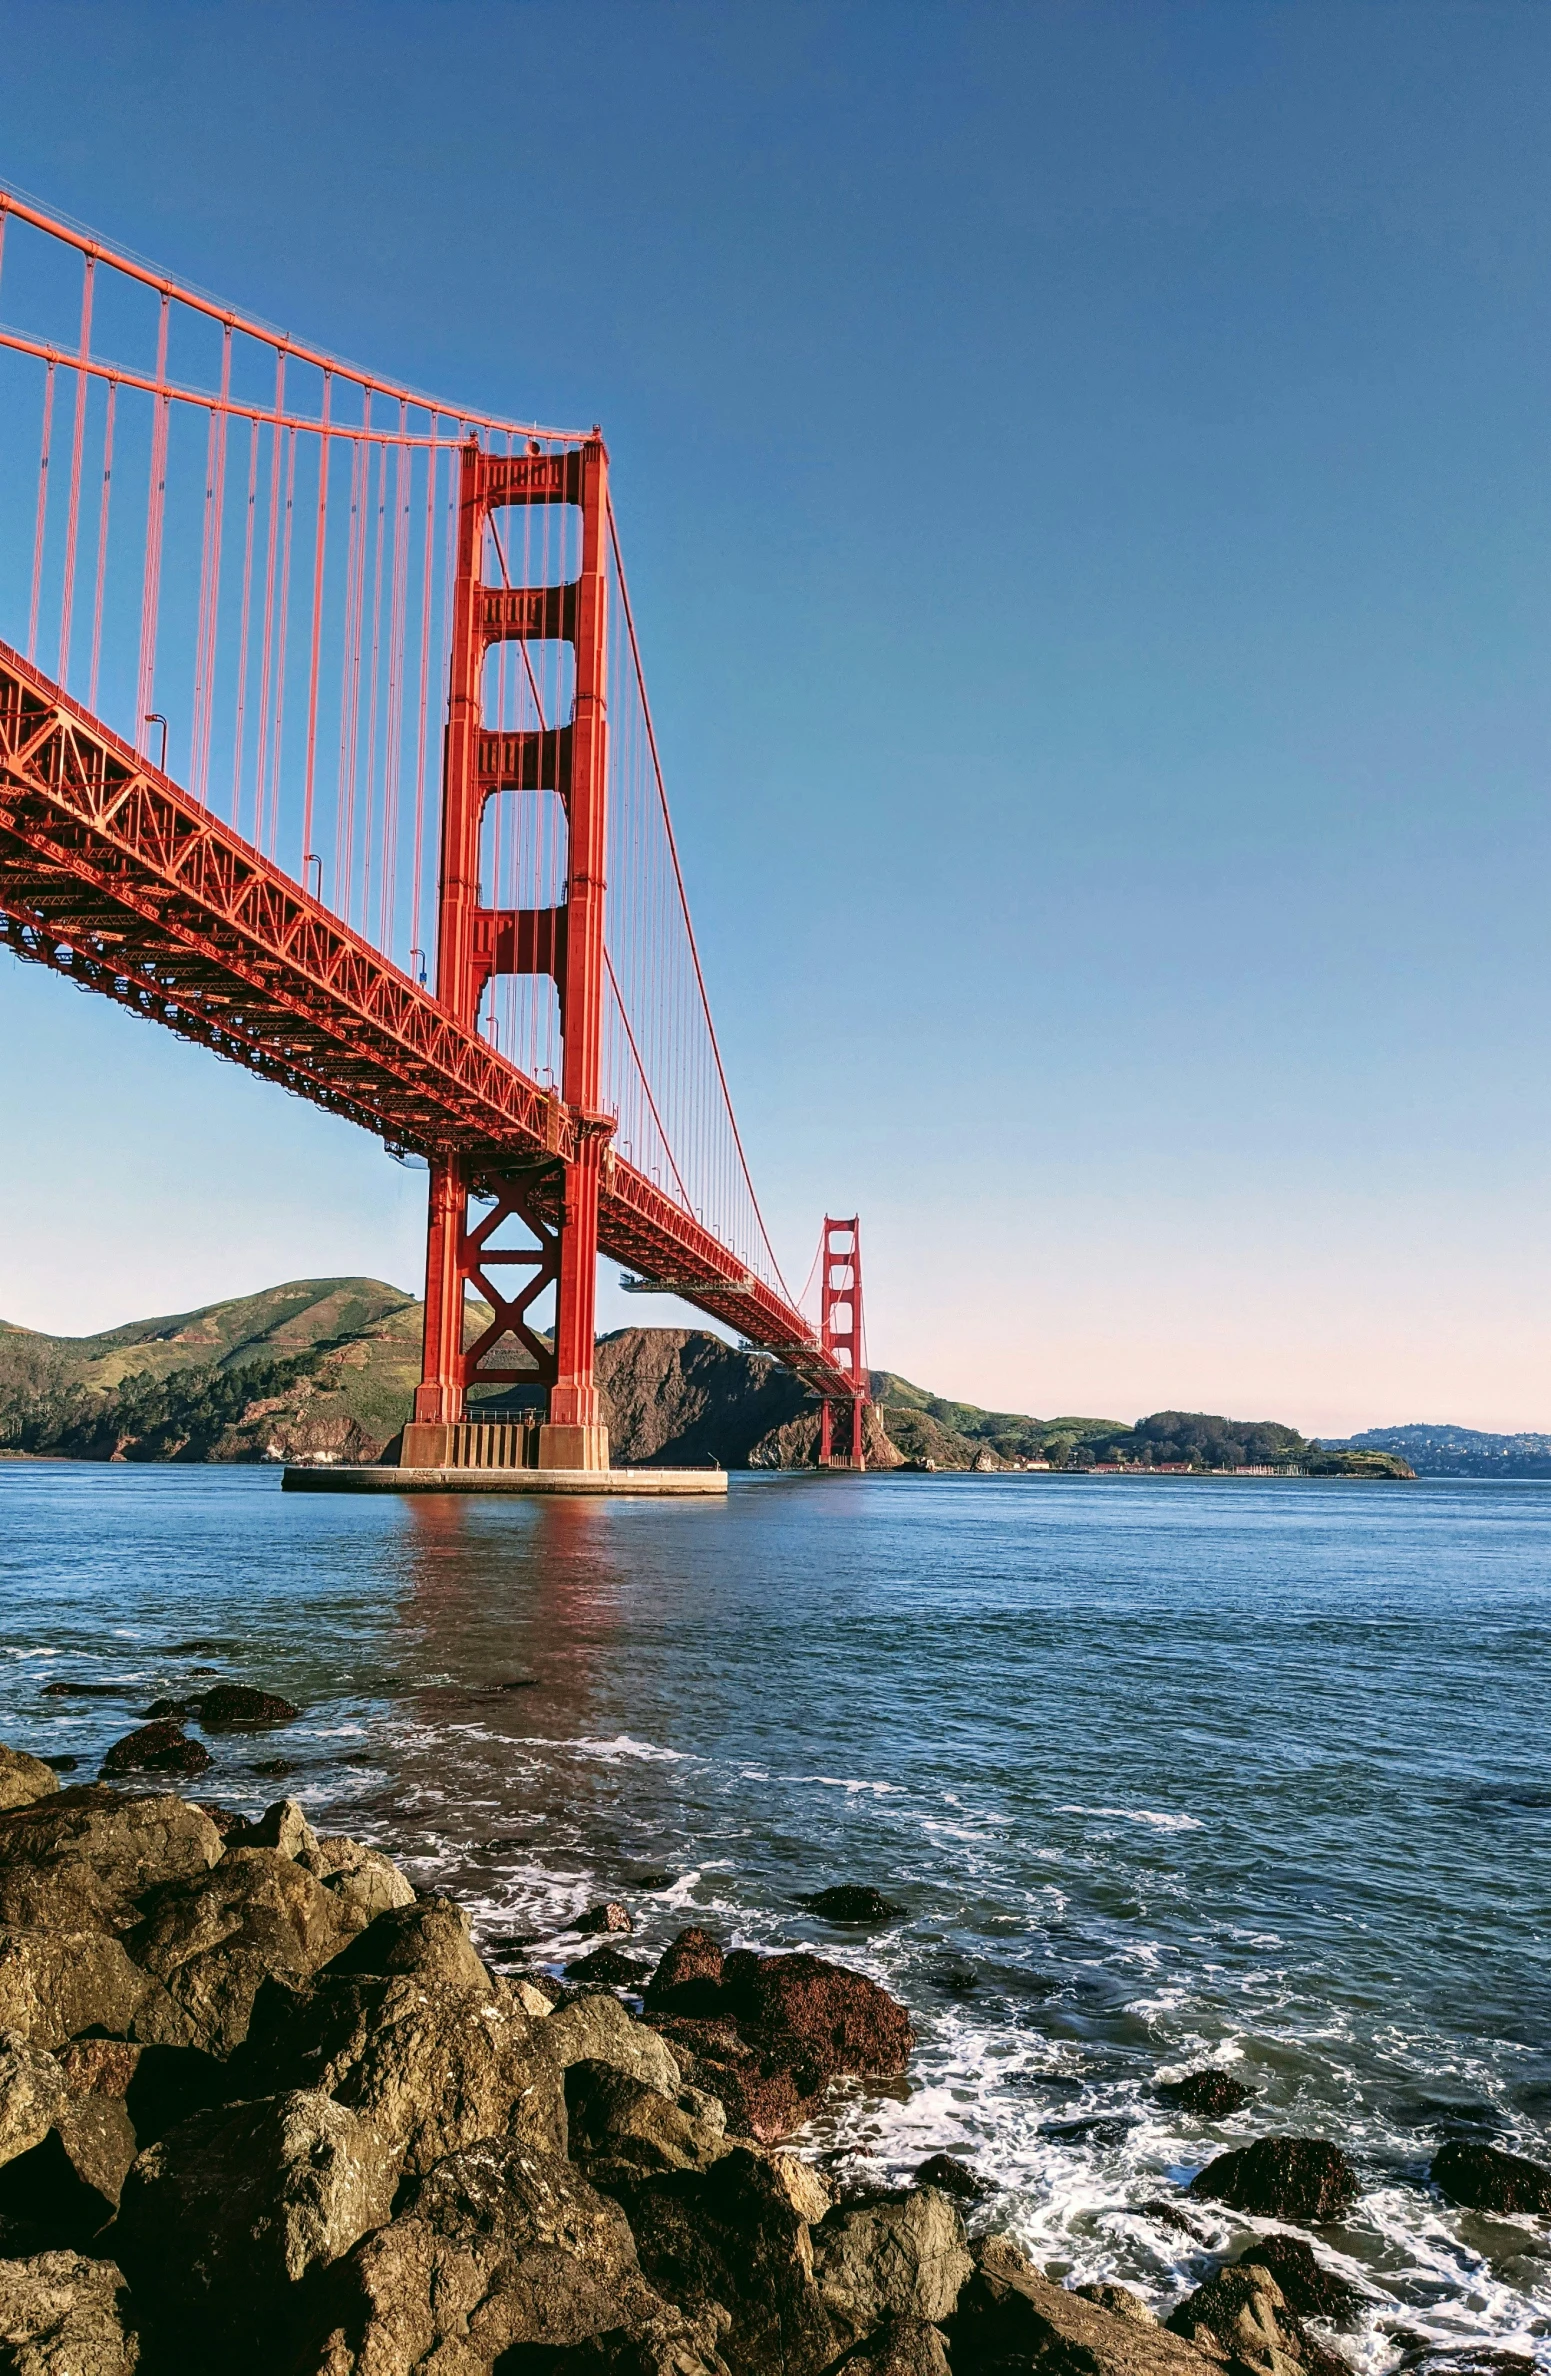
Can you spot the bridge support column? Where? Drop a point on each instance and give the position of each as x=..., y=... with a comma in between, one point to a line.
x=574, y=1437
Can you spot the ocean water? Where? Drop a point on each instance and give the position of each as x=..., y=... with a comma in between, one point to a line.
x=1250, y=1772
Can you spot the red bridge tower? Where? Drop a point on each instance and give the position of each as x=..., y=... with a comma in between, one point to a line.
x=840, y=1328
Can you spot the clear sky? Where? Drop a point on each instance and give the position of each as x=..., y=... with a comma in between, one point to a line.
x=1084, y=474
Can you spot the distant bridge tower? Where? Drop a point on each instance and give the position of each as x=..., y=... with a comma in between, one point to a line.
x=840, y=1329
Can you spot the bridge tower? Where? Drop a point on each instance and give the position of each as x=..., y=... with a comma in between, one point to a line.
x=557, y=1201
x=840, y=1328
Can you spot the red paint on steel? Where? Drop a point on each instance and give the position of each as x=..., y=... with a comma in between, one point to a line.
x=840, y=1327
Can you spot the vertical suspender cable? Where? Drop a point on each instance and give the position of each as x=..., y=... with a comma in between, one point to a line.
x=156, y=505
x=317, y=627
x=266, y=639
x=239, y=731
x=102, y=540
x=77, y=450
x=37, y=541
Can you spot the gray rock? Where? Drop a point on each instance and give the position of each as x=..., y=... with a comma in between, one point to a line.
x=366, y=1882
x=24, y=1779
x=213, y=1938
x=1009, y=2313
x=900, y=2347
x=598, y=2029
x=614, y=2118
x=281, y=1826
x=224, y=2217
x=733, y=2236
x=55, y=1984
x=502, y=2245
x=82, y=1858
x=61, y=2315
x=902, y=2256
x=32, y=2094
x=426, y=1940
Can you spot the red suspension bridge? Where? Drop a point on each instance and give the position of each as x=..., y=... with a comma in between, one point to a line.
x=325, y=743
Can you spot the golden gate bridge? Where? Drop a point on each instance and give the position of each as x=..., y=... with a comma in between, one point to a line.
x=325, y=743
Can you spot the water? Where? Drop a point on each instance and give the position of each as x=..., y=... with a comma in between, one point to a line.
x=1251, y=1772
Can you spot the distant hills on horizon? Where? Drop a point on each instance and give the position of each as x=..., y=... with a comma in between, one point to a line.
x=327, y=1368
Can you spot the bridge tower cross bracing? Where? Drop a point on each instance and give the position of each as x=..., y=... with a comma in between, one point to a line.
x=840, y=1329
x=565, y=942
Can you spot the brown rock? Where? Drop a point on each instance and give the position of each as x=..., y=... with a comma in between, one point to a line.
x=24, y=1779
x=759, y=2092
x=605, y=1967
x=693, y=1961
x=1484, y=2178
x=1120, y=2300
x=1304, y=2179
x=235, y=1703
x=160, y=1748
x=1010, y=2315
x=666, y=2341
x=366, y=1882
x=954, y=2177
x=54, y=1984
x=221, y=2221
x=831, y=2020
x=1210, y=2094
x=1242, y=2313
x=732, y=2236
x=281, y=1826
x=1309, y=2288
x=900, y=2347
x=614, y=2118
x=901, y=2256
x=32, y=2094
x=851, y=1902
x=215, y=1938
x=98, y=2066
x=426, y=1940
x=62, y=2315
x=68, y=2186
x=609, y=1917
x=82, y=1859
x=501, y=2246
x=598, y=2029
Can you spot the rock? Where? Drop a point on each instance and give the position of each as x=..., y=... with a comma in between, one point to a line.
x=1484, y=2178
x=162, y=1748
x=436, y=2069
x=902, y=2256
x=32, y=2094
x=1242, y=2311
x=61, y=1765
x=1210, y=2094
x=24, y=1778
x=84, y=1691
x=55, y=1984
x=851, y=1902
x=234, y=1704
x=222, y=2219
x=1170, y=2215
x=609, y=1917
x=68, y=2185
x=664, y=2342
x=98, y=2066
x=732, y=2236
x=215, y=1938
x=426, y=1940
x=607, y=1968
x=692, y=1962
x=614, y=2118
x=759, y=2092
x=81, y=1859
x=531, y=1997
x=1309, y=2289
x=832, y=2021
x=281, y=1826
x=952, y=2177
x=809, y=2194
x=1009, y=2315
x=598, y=2029
x=62, y=2315
x=366, y=1882
x=501, y=2246
x=1120, y=2301
x=1298, y=2178
x=901, y=2347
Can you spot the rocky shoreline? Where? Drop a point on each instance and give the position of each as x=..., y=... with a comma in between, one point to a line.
x=264, y=2108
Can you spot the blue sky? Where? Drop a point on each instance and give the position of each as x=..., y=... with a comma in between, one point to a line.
x=1084, y=479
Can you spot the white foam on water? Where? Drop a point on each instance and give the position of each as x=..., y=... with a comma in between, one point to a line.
x=623, y=1745
x=1167, y=1823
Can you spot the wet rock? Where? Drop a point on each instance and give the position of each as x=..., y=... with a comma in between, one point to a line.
x=607, y=1968
x=688, y=1977
x=613, y=2118
x=1305, y=2179
x=426, y=1940
x=501, y=2246
x=1309, y=2288
x=226, y=1819
x=215, y=1938
x=1484, y=2178
x=162, y=1748
x=900, y=2347
x=1210, y=2094
x=733, y=2236
x=1010, y=2316
x=67, y=1690
x=598, y=2029
x=275, y=1768
x=758, y=2090
x=63, y=2315
x=236, y=1704
x=1170, y=2215
x=609, y=1917
x=851, y=1902
x=902, y=2256
x=165, y=1707
x=281, y=1826
x=61, y=1765
x=1098, y=2128
x=24, y=1778
x=1120, y=2301
x=69, y=2184
x=222, y=2220
x=951, y=2176
x=832, y=2021
x=365, y=1882
x=55, y=1984
x=81, y=1859
x=32, y=2093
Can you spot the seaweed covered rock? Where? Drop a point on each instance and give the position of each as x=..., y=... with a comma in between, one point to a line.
x=1304, y=2179
x=1309, y=2288
x=83, y=1858
x=688, y=1975
x=233, y=1704
x=853, y=1902
x=1484, y=2178
x=24, y=1779
x=159, y=1748
x=63, y=2315
x=1210, y=2094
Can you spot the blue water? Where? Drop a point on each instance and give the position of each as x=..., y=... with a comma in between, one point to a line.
x=1163, y=1772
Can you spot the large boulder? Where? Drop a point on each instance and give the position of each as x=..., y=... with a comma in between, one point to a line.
x=688, y=1977
x=222, y=2220
x=900, y=2347
x=32, y=2092
x=62, y=2315
x=213, y=1938
x=1211, y=2094
x=55, y=1984
x=1304, y=2179
x=83, y=1858
x=759, y=2092
x=428, y=1939
x=1009, y=2316
x=1242, y=2313
x=24, y=1779
x=366, y=1882
x=614, y=2119
x=1484, y=2178
x=1309, y=2288
x=160, y=1748
x=734, y=2236
x=897, y=2256
x=598, y=2029
x=67, y=2188
x=501, y=2246
x=832, y=2020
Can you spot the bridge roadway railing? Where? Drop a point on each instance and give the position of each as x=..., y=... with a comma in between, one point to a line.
x=115, y=877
